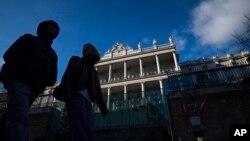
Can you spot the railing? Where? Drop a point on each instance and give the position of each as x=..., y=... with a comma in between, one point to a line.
x=215, y=66
x=162, y=46
x=42, y=101
x=207, y=78
x=136, y=110
x=132, y=76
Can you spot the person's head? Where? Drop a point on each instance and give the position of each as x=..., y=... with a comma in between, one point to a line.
x=48, y=30
x=90, y=52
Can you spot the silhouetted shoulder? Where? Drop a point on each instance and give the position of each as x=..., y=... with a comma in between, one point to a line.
x=73, y=58
x=24, y=38
x=27, y=36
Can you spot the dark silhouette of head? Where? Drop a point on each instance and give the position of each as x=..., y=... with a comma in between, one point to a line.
x=91, y=53
x=48, y=30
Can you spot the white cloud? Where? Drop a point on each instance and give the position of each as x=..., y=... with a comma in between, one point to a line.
x=179, y=41
x=214, y=21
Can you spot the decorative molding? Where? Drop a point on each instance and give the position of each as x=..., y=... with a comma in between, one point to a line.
x=118, y=50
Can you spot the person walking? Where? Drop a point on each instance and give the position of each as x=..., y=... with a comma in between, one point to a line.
x=30, y=66
x=82, y=86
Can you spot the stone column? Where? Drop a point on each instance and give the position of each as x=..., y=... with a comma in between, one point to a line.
x=125, y=70
x=175, y=61
x=143, y=101
x=143, y=90
x=125, y=97
x=163, y=98
x=108, y=99
x=110, y=72
x=158, y=64
x=141, y=68
x=161, y=87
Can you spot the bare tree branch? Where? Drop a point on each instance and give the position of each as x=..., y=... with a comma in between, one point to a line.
x=243, y=38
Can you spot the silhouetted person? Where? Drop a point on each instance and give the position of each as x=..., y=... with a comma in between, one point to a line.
x=83, y=87
x=30, y=67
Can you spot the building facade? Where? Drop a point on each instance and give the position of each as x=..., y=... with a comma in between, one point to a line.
x=123, y=70
x=151, y=96
x=131, y=81
x=208, y=97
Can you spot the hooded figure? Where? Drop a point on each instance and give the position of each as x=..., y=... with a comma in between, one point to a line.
x=32, y=60
x=48, y=30
x=30, y=66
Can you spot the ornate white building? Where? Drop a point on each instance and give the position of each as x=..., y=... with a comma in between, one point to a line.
x=125, y=71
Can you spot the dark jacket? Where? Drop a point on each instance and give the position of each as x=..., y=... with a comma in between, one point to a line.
x=81, y=74
x=32, y=60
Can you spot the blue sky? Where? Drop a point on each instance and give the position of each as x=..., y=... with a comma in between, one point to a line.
x=200, y=28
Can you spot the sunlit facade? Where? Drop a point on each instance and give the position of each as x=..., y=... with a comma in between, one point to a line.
x=124, y=71
x=131, y=81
